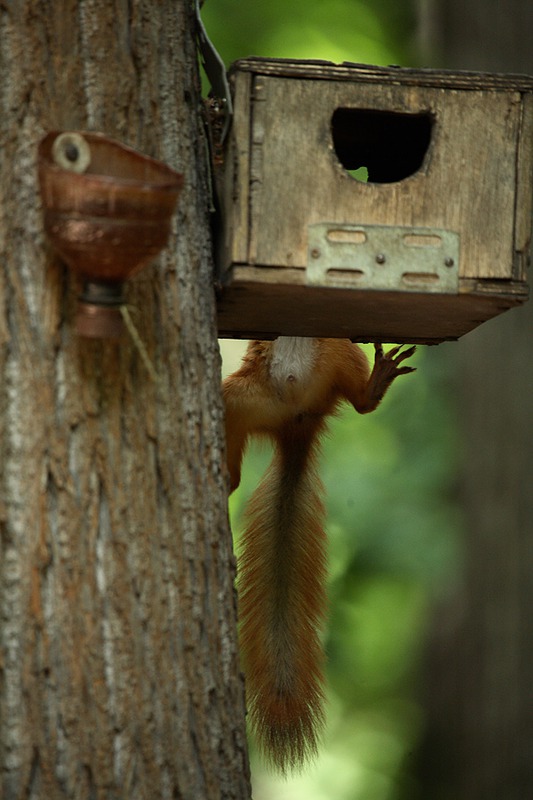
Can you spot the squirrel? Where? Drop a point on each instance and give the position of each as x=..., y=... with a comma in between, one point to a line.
x=285, y=390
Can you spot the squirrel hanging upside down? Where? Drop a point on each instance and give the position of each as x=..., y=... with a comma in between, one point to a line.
x=285, y=390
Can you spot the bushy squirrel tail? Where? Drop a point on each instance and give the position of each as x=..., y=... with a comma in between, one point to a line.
x=282, y=599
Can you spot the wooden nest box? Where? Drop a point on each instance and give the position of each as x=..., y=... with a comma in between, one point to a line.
x=428, y=240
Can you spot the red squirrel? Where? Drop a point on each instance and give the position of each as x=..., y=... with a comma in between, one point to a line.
x=285, y=390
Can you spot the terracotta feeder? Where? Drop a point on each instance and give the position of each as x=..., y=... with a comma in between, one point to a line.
x=107, y=210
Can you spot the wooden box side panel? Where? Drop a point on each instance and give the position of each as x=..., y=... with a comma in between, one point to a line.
x=233, y=181
x=524, y=192
x=467, y=183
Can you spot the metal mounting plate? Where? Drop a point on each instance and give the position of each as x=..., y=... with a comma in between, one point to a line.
x=392, y=258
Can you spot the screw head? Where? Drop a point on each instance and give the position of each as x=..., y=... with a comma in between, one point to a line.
x=449, y=262
x=380, y=258
x=315, y=252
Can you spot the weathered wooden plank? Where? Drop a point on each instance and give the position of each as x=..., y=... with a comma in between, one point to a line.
x=234, y=182
x=326, y=70
x=261, y=303
x=524, y=191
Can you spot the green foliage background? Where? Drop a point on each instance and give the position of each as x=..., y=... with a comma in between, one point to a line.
x=393, y=524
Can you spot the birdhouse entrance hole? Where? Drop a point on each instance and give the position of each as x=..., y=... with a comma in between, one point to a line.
x=390, y=145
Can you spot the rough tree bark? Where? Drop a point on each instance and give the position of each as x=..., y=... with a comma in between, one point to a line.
x=480, y=727
x=119, y=671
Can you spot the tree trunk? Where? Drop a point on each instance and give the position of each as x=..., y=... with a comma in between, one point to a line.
x=119, y=673
x=480, y=727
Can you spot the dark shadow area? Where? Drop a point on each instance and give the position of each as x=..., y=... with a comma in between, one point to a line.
x=392, y=146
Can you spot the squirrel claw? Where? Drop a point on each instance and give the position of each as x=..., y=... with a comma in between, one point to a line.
x=390, y=362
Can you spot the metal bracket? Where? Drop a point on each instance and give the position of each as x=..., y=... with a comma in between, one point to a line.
x=387, y=258
x=216, y=72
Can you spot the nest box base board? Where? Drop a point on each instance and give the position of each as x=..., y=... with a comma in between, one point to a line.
x=251, y=307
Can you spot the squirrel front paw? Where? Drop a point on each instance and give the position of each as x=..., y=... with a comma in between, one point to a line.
x=387, y=368
x=388, y=364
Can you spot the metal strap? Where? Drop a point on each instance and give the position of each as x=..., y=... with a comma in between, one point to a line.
x=215, y=70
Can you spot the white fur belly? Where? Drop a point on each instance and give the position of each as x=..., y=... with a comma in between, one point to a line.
x=292, y=362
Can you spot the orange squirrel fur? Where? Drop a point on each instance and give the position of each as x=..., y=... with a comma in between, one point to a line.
x=285, y=390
